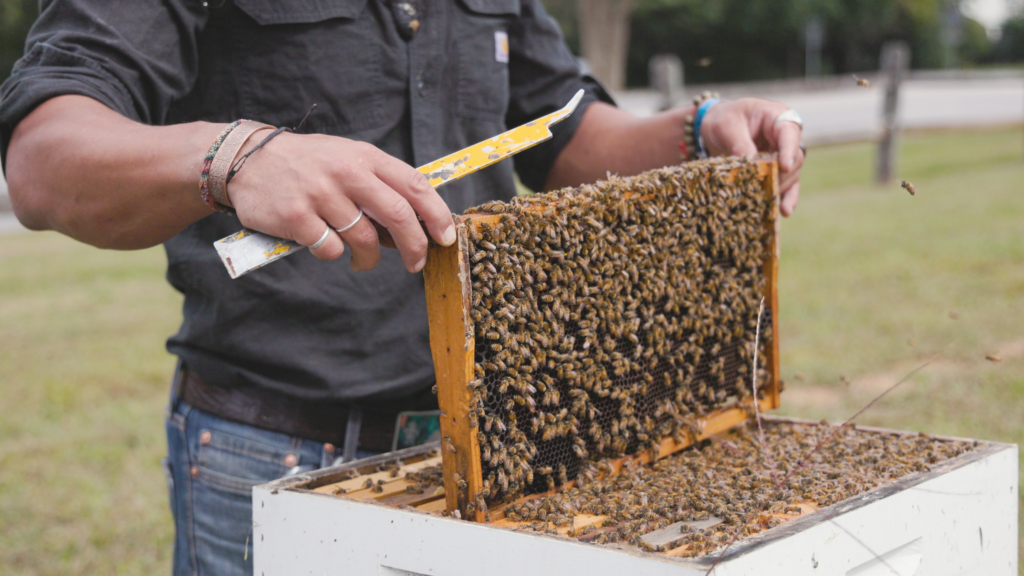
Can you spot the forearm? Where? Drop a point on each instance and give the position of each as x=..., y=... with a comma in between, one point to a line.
x=79, y=168
x=612, y=140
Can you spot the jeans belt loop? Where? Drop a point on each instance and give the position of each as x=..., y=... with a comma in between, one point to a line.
x=352, y=429
x=176, y=383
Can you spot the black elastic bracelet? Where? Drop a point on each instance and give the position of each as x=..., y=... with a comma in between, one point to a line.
x=241, y=161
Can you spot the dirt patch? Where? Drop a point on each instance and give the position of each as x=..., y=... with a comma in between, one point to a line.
x=831, y=395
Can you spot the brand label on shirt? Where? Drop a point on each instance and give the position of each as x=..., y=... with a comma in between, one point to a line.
x=501, y=46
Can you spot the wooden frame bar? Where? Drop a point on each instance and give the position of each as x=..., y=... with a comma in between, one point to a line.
x=448, y=290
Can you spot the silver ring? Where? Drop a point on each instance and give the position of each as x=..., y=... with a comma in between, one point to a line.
x=790, y=116
x=354, y=222
x=322, y=239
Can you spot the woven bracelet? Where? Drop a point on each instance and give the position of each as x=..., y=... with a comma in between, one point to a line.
x=691, y=146
x=204, y=178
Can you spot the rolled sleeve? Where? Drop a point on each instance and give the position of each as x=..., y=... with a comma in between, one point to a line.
x=134, y=57
x=543, y=77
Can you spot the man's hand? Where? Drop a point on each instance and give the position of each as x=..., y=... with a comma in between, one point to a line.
x=612, y=140
x=78, y=167
x=298, y=186
x=745, y=127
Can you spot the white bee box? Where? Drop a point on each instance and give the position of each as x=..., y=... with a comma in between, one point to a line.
x=958, y=518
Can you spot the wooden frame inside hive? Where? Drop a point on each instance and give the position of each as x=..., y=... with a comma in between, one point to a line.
x=448, y=281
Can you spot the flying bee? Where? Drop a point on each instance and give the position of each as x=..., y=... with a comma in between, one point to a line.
x=908, y=187
x=862, y=82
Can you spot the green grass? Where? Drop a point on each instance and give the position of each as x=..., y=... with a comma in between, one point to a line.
x=865, y=269
x=874, y=282
x=85, y=379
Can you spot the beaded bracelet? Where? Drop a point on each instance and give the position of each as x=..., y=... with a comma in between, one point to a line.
x=692, y=145
x=204, y=178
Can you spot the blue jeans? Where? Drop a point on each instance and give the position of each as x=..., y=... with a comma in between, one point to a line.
x=212, y=465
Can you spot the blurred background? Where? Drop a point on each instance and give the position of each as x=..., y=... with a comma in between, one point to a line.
x=873, y=281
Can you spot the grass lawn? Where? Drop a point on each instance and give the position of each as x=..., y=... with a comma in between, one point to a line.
x=873, y=281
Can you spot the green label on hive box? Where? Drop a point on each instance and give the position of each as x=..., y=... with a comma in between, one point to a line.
x=416, y=428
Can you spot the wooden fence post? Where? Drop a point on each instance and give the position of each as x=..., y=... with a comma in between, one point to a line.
x=895, y=61
x=666, y=78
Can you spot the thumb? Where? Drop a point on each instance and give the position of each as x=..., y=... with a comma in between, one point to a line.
x=730, y=134
x=740, y=142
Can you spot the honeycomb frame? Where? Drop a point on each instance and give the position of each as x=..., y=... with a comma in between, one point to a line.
x=448, y=283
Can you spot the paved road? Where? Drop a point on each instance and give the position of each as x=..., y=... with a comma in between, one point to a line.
x=853, y=113
x=9, y=224
x=840, y=114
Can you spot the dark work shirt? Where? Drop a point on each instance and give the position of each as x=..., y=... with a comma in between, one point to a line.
x=311, y=329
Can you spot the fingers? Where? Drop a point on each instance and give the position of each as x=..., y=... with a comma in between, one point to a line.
x=791, y=159
x=412, y=185
x=385, y=237
x=363, y=240
x=787, y=139
x=342, y=214
x=790, y=196
x=331, y=249
x=391, y=210
x=310, y=229
x=726, y=132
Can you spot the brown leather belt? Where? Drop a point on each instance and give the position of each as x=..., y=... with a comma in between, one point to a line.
x=262, y=408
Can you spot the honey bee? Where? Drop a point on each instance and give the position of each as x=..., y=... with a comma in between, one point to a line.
x=862, y=82
x=993, y=358
x=908, y=187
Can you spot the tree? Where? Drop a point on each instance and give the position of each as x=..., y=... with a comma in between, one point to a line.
x=16, y=16
x=604, y=38
x=1011, y=44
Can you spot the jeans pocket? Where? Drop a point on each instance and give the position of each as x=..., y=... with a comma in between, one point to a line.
x=236, y=464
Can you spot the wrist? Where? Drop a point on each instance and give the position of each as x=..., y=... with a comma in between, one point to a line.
x=692, y=145
x=698, y=124
x=684, y=119
x=227, y=157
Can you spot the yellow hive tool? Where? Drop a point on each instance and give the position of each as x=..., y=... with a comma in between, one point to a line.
x=248, y=250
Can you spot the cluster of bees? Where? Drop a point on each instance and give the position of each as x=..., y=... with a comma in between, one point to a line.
x=609, y=317
x=731, y=480
x=424, y=480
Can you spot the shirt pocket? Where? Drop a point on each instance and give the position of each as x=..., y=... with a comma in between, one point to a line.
x=300, y=52
x=482, y=48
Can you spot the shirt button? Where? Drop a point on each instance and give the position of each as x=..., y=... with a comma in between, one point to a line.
x=329, y=448
x=205, y=437
x=194, y=471
x=290, y=460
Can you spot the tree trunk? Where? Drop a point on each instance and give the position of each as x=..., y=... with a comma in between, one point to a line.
x=604, y=38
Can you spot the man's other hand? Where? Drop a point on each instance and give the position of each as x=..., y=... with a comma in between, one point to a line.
x=747, y=126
